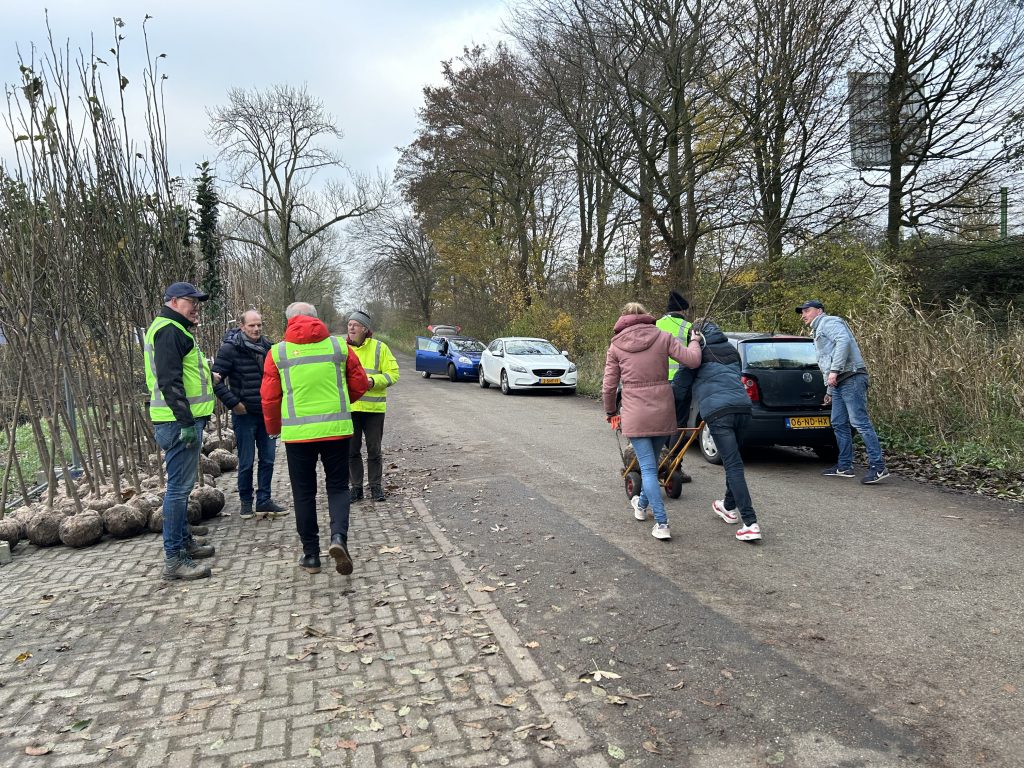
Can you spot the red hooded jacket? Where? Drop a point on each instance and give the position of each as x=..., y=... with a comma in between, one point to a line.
x=305, y=330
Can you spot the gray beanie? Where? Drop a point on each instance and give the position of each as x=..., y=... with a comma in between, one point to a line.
x=363, y=319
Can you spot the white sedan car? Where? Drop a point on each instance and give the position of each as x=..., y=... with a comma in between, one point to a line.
x=518, y=362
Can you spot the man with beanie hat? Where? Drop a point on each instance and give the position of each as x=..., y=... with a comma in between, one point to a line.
x=368, y=414
x=674, y=323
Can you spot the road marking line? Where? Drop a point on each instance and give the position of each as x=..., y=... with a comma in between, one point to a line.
x=511, y=644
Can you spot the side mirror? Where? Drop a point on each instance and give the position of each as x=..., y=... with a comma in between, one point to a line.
x=499, y=353
x=565, y=353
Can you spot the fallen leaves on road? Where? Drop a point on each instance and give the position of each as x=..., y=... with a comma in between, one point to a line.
x=38, y=750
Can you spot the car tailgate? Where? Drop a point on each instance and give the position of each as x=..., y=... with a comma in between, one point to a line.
x=786, y=371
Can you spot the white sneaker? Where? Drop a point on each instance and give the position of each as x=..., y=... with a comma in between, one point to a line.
x=640, y=513
x=750, y=532
x=729, y=515
x=661, y=531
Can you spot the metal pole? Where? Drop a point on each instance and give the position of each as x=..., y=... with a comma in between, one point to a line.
x=1004, y=195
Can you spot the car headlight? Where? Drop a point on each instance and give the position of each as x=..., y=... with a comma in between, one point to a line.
x=516, y=367
x=572, y=368
x=464, y=360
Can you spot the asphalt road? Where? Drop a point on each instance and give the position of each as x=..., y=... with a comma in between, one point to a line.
x=874, y=626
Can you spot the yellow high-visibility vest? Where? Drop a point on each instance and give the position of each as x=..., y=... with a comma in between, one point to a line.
x=382, y=369
x=679, y=328
x=314, y=402
x=195, y=375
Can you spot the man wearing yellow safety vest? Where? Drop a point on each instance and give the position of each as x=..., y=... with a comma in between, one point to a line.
x=675, y=324
x=368, y=413
x=310, y=381
x=181, y=399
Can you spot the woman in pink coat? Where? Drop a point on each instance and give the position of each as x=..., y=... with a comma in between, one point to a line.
x=638, y=359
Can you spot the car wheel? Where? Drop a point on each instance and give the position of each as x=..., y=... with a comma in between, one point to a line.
x=452, y=374
x=675, y=485
x=633, y=483
x=484, y=383
x=505, y=388
x=708, y=448
x=828, y=453
x=425, y=374
x=570, y=391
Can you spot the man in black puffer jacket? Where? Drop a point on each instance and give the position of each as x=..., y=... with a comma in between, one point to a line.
x=725, y=407
x=240, y=363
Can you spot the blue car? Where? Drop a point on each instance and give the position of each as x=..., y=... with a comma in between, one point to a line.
x=457, y=357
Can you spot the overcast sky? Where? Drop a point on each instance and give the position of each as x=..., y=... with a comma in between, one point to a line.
x=367, y=61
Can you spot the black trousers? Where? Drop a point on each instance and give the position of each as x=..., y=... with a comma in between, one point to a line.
x=368, y=427
x=302, y=460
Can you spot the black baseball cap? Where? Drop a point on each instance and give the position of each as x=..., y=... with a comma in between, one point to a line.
x=808, y=304
x=184, y=291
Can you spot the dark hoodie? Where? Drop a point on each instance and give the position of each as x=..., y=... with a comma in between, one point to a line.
x=305, y=330
x=717, y=386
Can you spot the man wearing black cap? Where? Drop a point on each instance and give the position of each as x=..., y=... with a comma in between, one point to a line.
x=181, y=400
x=846, y=377
x=674, y=323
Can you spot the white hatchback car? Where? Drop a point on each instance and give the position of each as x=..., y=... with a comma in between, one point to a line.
x=519, y=362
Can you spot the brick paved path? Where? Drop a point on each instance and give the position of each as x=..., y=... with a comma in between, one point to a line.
x=408, y=662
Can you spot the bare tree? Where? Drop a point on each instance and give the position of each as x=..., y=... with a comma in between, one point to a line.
x=272, y=141
x=952, y=81
x=658, y=65
x=485, y=147
x=790, y=62
x=399, y=257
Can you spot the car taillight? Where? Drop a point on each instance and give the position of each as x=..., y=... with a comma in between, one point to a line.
x=752, y=391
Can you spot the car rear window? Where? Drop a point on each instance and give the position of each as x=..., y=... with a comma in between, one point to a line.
x=467, y=345
x=785, y=355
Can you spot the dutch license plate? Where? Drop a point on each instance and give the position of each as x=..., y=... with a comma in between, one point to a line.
x=807, y=422
x=550, y=381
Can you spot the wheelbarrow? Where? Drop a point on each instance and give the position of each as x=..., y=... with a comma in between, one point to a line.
x=670, y=476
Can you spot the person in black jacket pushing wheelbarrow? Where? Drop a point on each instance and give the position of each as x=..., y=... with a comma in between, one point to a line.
x=725, y=408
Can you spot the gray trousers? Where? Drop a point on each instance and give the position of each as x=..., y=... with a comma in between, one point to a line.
x=368, y=427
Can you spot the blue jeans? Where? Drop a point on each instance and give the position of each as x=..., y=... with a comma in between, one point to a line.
x=727, y=430
x=181, y=463
x=850, y=408
x=647, y=451
x=251, y=436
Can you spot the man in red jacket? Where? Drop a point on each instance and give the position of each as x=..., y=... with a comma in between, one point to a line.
x=316, y=378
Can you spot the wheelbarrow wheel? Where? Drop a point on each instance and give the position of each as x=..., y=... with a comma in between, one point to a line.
x=633, y=484
x=674, y=489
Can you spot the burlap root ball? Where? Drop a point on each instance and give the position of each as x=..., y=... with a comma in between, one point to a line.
x=226, y=460
x=195, y=512
x=210, y=500
x=11, y=530
x=100, y=505
x=156, y=520
x=43, y=528
x=124, y=521
x=225, y=442
x=81, y=530
x=209, y=466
